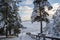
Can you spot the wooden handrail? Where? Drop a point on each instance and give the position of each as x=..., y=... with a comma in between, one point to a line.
x=45, y=36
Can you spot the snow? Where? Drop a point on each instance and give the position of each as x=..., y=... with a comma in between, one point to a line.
x=49, y=27
x=36, y=11
x=23, y=36
x=1, y=21
x=2, y=24
x=33, y=28
x=54, y=27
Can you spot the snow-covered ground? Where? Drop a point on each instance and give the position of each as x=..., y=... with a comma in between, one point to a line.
x=35, y=28
x=32, y=27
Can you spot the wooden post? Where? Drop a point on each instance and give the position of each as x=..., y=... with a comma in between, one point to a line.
x=43, y=36
x=6, y=33
x=52, y=39
x=41, y=26
x=37, y=38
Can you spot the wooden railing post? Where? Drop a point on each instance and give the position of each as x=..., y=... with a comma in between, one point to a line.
x=43, y=36
x=52, y=39
x=37, y=37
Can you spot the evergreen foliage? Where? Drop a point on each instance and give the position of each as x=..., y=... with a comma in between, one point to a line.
x=9, y=17
x=39, y=13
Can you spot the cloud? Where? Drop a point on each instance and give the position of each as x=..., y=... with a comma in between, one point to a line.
x=29, y=2
x=25, y=12
x=55, y=7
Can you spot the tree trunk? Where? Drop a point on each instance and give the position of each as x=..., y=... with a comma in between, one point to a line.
x=41, y=27
x=6, y=32
x=9, y=31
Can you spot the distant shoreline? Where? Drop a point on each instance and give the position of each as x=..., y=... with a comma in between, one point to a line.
x=26, y=20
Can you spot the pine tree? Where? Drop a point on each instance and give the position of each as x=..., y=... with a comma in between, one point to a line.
x=56, y=17
x=39, y=13
x=10, y=16
x=53, y=27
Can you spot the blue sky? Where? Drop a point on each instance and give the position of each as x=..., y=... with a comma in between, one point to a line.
x=31, y=5
x=54, y=1
x=26, y=8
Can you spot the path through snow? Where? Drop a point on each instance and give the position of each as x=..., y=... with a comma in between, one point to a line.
x=25, y=37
